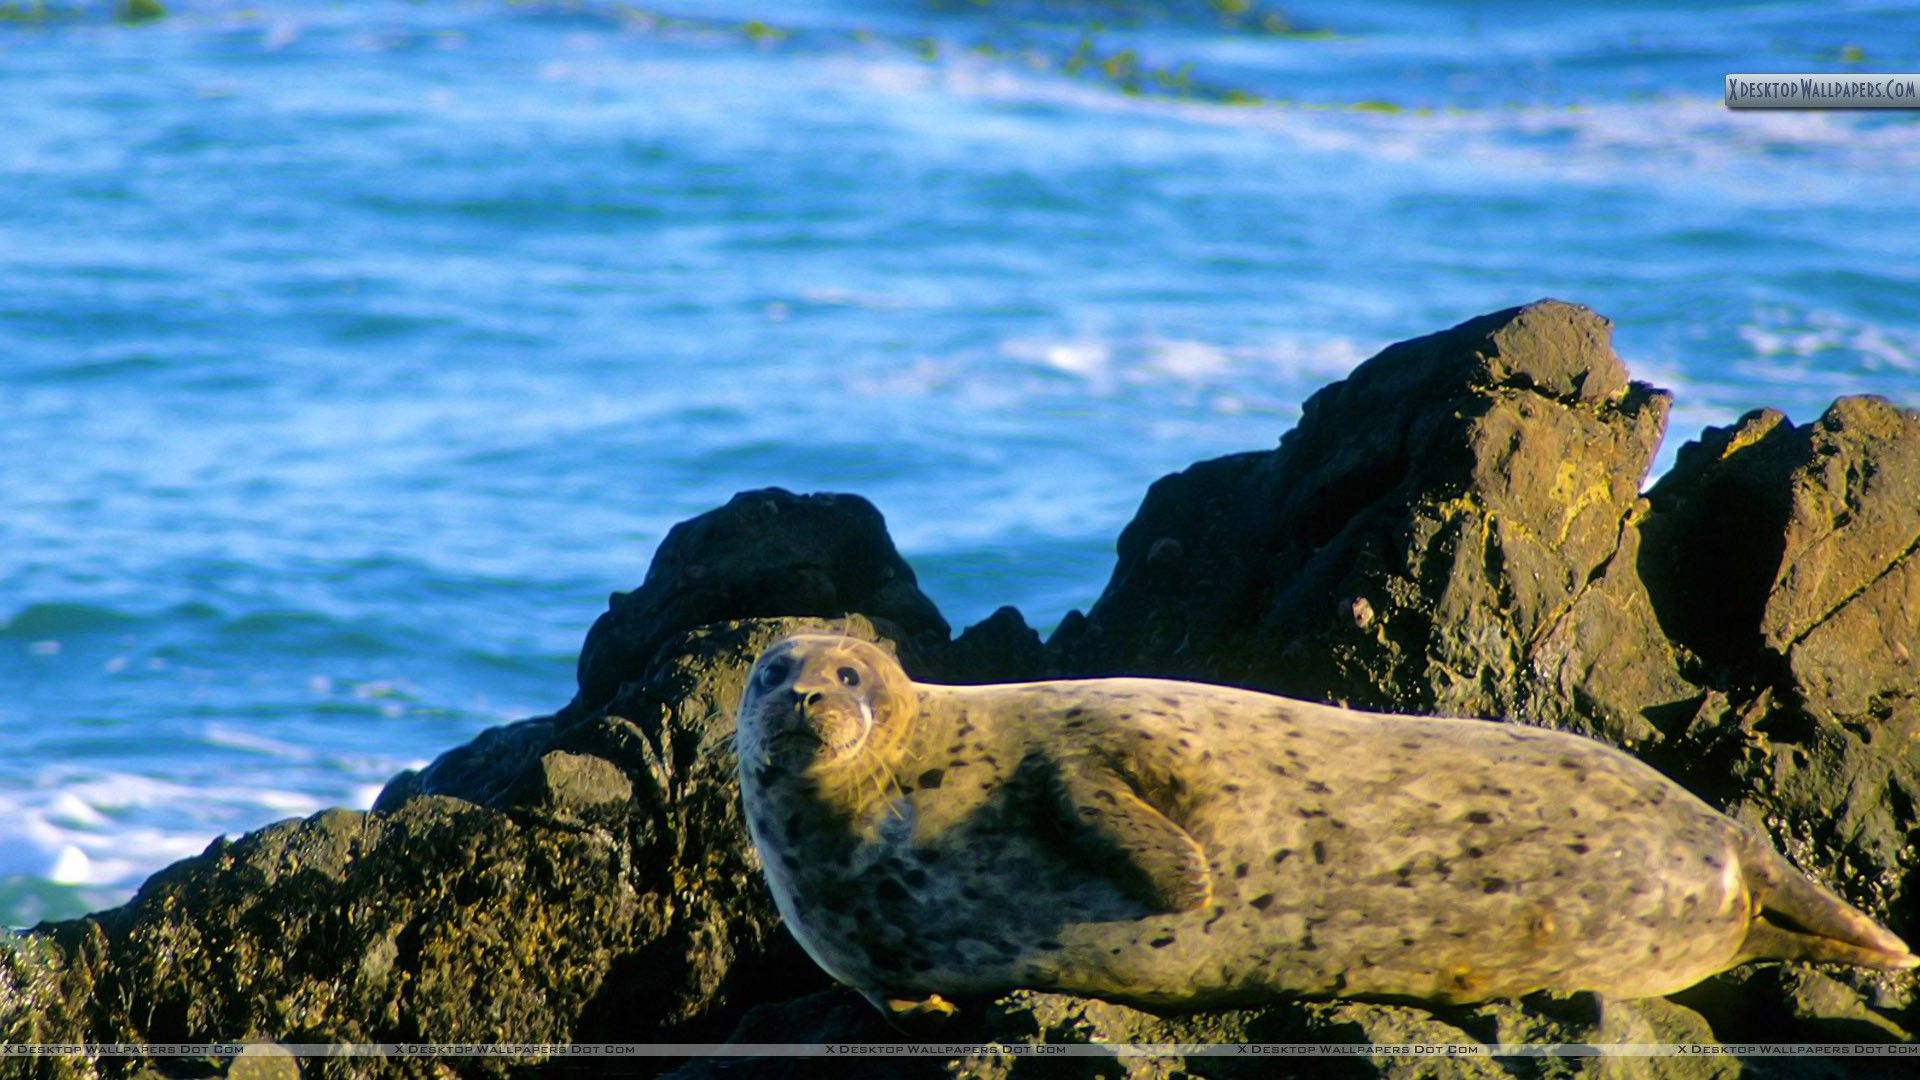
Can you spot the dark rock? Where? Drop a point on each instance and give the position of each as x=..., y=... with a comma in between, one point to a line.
x=1788, y=553
x=1441, y=533
x=572, y=785
x=998, y=648
x=1783, y=558
x=1756, y=1003
x=1715, y=538
x=1455, y=528
x=764, y=554
x=836, y=1015
x=1029, y=1017
x=477, y=770
x=442, y=920
x=606, y=893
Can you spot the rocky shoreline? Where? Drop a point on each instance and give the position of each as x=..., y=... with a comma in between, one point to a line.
x=1457, y=528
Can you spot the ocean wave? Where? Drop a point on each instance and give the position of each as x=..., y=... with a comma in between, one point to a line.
x=1268, y=374
x=1273, y=360
x=52, y=621
x=1672, y=137
x=238, y=738
x=1779, y=332
x=83, y=826
x=96, y=833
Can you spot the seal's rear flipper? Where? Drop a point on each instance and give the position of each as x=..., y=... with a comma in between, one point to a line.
x=1796, y=918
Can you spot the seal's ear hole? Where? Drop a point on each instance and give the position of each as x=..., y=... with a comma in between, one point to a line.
x=848, y=677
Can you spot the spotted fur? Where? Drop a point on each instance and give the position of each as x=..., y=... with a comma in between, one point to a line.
x=1177, y=844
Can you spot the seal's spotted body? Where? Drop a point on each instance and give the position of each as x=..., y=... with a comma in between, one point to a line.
x=1167, y=843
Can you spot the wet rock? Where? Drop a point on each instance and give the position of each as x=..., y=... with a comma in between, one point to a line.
x=1442, y=532
x=999, y=648
x=571, y=784
x=1400, y=1024
x=1773, y=1003
x=264, y=1061
x=1652, y=1023
x=441, y=918
x=1782, y=557
x=1822, y=1004
x=44, y=999
x=1714, y=541
x=477, y=770
x=765, y=553
x=1027, y=1017
x=606, y=893
x=1853, y=526
x=1457, y=528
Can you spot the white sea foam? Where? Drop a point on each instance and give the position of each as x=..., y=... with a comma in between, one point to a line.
x=279, y=34
x=71, y=867
x=1190, y=361
x=364, y=794
x=1276, y=364
x=72, y=811
x=1778, y=332
x=824, y=296
x=242, y=739
x=79, y=826
x=1761, y=156
x=1087, y=359
x=286, y=802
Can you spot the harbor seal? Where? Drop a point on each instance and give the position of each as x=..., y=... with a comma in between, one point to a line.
x=1173, y=844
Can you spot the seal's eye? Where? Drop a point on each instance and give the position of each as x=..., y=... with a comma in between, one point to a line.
x=848, y=677
x=774, y=674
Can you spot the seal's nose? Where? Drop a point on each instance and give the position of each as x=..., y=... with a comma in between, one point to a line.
x=813, y=699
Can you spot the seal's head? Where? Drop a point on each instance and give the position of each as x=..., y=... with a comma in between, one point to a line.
x=825, y=704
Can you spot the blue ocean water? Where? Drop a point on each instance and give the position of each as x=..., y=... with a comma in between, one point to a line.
x=350, y=354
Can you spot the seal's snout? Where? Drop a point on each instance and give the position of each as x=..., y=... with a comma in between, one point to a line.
x=840, y=720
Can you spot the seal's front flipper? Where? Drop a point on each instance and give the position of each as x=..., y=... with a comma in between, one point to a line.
x=913, y=1016
x=1158, y=862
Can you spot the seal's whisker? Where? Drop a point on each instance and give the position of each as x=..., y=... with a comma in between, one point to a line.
x=885, y=786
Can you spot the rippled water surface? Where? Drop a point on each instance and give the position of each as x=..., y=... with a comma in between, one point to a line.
x=351, y=354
